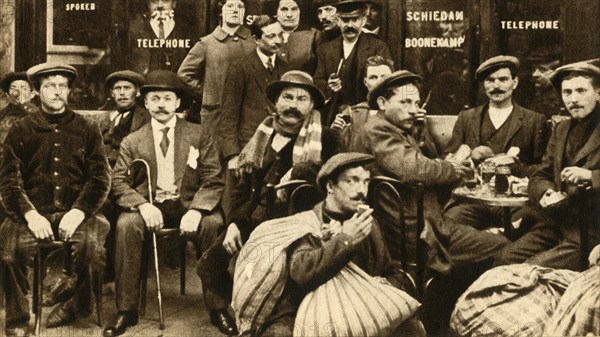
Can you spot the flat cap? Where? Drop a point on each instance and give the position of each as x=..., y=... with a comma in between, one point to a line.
x=124, y=75
x=349, y=7
x=295, y=78
x=492, y=64
x=11, y=77
x=582, y=68
x=51, y=68
x=339, y=162
x=397, y=78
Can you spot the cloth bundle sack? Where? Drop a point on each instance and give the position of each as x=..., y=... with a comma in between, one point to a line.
x=353, y=303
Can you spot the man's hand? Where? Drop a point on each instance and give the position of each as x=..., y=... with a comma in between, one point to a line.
x=359, y=226
x=339, y=122
x=38, y=225
x=576, y=175
x=152, y=216
x=233, y=239
x=69, y=223
x=190, y=222
x=334, y=82
x=462, y=168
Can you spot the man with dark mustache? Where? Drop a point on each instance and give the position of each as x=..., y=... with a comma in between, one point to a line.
x=327, y=16
x=340, y=62
x=187, y=184
x=494, y=128
x=292, y=137
x=569, y=171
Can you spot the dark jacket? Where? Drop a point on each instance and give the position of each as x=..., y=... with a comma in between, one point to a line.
x=199, y=188
x=300, y=51
x=328, y=59
x=12, y=113
x=249, y=197
x=527, y=130
x=244, y=103
x=53, y=166
x=112, y=138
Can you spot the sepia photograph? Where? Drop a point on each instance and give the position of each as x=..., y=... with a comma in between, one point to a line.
x=301, y=168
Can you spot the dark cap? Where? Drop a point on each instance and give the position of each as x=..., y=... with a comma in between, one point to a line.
x=352, y=8
x=321, y=3
x=11, y=77
x=397, y=78
x=295, y=78
x=51, y=68
x=341, y=161
x=578, y=68
x=164, y=80
x=124, y=75
x=492, y=64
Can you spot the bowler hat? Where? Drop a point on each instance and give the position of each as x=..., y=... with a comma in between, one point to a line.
x=583, y=68
x=350, y=6
x=11, y=77
x=492, y=64
x=164, y=80
x=341, y=161
x=124, y=75
x=295, y=78
x=397, y=78
x=51, y=68
x=321, y=3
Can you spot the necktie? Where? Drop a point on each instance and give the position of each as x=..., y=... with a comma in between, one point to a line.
x=270, y=64
x=164, y=143
x=161, y=29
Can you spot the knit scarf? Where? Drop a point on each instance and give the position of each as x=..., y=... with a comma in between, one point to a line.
x=306, y=148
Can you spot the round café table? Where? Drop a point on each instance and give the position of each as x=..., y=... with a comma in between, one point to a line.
x=484, y=196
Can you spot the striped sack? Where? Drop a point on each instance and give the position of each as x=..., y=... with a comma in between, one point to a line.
x=353, y=303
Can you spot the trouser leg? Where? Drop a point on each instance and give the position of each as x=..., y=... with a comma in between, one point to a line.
x=212, y=269
x=128, y=255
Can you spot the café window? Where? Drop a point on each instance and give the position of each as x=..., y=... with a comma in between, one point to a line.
x=437, y=46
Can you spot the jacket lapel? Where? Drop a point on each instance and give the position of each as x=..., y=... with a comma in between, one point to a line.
x=589, y=146
x=362, y=53
x=475, y=128
x=140, y=118
x=182, y=146
x=516, y=122
x=258, y=71
x=147, y=152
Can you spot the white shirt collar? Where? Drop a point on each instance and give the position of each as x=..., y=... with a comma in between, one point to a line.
x=157, y=126
x=499, y=116
x=348, y=47
x=168, y=25
x=264, y=58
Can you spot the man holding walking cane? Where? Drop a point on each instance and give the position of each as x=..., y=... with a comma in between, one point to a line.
x=186, y=185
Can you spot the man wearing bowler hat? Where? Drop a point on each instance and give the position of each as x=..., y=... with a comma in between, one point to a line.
x=340, y=63
x=494, y=128
x=54, y=178
x=124, y=88
x=564, y=190
x=187, y=182
x=291, y=138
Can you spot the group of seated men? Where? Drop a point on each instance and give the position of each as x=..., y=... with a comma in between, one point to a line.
x=64, y=178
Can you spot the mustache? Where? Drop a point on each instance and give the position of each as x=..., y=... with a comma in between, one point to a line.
x=359, y=197
x=497, y=91
x=350, y=30
x=291, y=111
x=576, y=106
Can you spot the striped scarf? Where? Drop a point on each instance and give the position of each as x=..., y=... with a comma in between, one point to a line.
x=307, y=147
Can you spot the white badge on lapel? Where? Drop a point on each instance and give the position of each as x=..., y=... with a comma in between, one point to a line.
x=193, y=155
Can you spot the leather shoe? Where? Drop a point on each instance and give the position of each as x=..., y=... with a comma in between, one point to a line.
x=120, y=322
x=61, y=291
x=223, y=321
x=61, y=315
x=17, y=331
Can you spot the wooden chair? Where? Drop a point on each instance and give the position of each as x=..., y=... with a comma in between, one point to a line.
x=382, y=189
x=44, y=251
x=301, y=196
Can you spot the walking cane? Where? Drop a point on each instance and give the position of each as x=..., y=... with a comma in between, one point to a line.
x=154, y=246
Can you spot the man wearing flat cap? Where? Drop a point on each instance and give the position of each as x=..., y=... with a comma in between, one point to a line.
x=317, y=246
x=340, y=63
x=494, y=128
x=124, y=88
x=187, y=183
x=565, y=189
x=388, y=137
x=19, y=94
x=54, y=178
x=291, y=138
